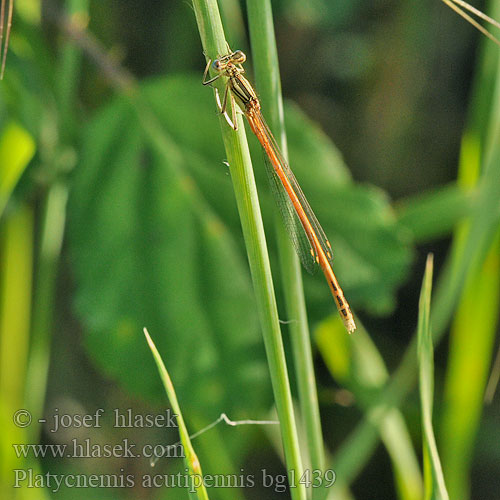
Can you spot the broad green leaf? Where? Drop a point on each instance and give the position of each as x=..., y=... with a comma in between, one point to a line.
x=435, y=488
x=17, y=147
x=145, y=254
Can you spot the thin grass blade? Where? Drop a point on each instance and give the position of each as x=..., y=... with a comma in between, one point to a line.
x=472, y=336
x=471, y=350
x=16, y=272
x=435, y=488
x=213, y=40
x=198, y=490
x=266, y=64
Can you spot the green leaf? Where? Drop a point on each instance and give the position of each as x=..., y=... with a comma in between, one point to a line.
x=146, y=250
x=433, y=474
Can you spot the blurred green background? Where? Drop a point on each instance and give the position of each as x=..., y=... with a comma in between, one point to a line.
x=118, y=213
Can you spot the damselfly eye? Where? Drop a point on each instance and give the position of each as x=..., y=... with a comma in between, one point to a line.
x=239, y=57
x=216, y=65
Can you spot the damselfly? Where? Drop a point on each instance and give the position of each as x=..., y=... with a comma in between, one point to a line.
x=309, y=239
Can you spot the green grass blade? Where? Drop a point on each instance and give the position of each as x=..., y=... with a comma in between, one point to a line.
x=17, y=147
x=433, y=475
x=214, y=43
x=191, y=459
x=471, y=349
x=265, y=61
x=472, y=337
x=52, y=226
x=53, y=222
x=16, y=249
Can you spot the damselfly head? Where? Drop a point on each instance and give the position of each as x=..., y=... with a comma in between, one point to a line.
x=219, y=65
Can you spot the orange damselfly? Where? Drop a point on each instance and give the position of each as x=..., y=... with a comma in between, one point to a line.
x=309, y=240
